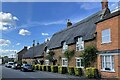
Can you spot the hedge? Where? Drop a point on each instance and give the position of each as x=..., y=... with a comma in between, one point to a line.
x=48, y=68
x=78, y=71
x=43, y=68
x=62, y=70
x=92, y=72
x=54, y=68
x=71, y=70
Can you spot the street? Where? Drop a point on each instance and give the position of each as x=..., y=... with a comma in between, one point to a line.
x=8, y=73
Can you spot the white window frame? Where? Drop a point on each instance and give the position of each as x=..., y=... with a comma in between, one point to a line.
x=79, y=58
x=65, y=47
x=111, y=62
x=79, y=44
x=47, y=62
x=106, y=35
x=66, y=62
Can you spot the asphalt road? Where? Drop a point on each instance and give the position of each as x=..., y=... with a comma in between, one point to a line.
x=10, y=74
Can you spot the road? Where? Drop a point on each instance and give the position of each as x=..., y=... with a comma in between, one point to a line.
x=11, y=74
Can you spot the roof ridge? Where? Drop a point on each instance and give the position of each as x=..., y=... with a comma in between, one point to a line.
x=79, y=22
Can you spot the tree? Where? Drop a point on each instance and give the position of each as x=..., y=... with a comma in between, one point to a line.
x=89, y=55
x=69, y=54
x=50, y=56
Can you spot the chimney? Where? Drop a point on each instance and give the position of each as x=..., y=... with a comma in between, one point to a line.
x=104, y=4
x=69, y=24
x=37, y=43
x=25, y=47
x=33, y=43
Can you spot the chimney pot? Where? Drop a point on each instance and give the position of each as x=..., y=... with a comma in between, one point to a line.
x=69, y=23
x=104, y=4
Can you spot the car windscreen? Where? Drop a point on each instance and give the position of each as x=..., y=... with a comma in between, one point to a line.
x=11, y=63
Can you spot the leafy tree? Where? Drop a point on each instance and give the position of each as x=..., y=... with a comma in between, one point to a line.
x=50, y=56
x=89, y=55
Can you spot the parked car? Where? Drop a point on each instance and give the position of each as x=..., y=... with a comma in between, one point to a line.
x=9, y=64
x=26, y=67
x=16, y=66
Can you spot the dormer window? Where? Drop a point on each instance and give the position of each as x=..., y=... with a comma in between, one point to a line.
x=79, y=44
x=65, y=47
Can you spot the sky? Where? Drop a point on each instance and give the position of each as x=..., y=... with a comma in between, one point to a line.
x=23, y=22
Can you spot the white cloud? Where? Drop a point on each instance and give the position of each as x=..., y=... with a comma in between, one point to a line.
x=7, y=21
x=24, y=32
x=18, y=44
x=10, y=53
x=89, y=5
x=45, y=34
x=4, y=42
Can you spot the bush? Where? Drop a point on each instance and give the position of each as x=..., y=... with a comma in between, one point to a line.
x=71, y=70
x=48, y=68
x=39, y=67
x=92, y=73
x=43, y=68
x=33, y=66
x=62, y=70
x=78, y=71
x=54, y=68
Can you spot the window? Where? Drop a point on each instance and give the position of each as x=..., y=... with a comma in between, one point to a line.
x=65, y=47
x=47, y=51
x=107, y=62
x=46, y=62
x=79, y=44
x=64, y=62
x=79, y=62
x=106, y=36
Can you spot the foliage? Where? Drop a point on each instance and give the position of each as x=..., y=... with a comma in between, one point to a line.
x=43, y=68
x=62, y=70
x=69, y=54
x=50, y=56
x=92, y=72
x=48, y=68
x=78, y=71
x=54, y=68
x=89, y=55
x=71, y=70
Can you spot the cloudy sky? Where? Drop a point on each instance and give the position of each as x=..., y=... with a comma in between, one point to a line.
x=27, y=21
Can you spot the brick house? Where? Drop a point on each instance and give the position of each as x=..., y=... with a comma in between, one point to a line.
x=21, y=52
x=76, y=37
x=35, y=54
x=108, y=40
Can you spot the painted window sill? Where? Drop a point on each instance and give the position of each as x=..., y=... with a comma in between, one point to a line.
x=106, y=43
x=108, y=70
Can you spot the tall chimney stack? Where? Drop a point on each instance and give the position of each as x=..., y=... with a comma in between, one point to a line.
x=33, y=43
x=69, y=24
x=104, y=4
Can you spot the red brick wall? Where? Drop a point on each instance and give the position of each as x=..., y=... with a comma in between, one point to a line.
x=113, y=25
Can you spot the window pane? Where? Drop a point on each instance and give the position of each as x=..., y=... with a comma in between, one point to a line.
x=106, y=36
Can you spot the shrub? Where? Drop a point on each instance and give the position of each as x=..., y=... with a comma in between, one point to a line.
x=43, y=68
x=48, y=68
x=62, y=70
x=92, y=73
x=54, y=68
x=78, y=71
x=33, y=66
x=71, y=70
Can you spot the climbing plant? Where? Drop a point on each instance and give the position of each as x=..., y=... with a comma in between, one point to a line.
x=69, y=54
x=89, y=55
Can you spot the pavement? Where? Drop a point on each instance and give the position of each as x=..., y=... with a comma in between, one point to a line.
x=11, y=74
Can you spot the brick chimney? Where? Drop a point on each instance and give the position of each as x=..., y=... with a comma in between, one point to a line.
x=104, y=4
x=25, y=47
x=69, y=24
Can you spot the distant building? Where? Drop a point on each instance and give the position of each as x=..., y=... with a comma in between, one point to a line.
x=21, y=52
